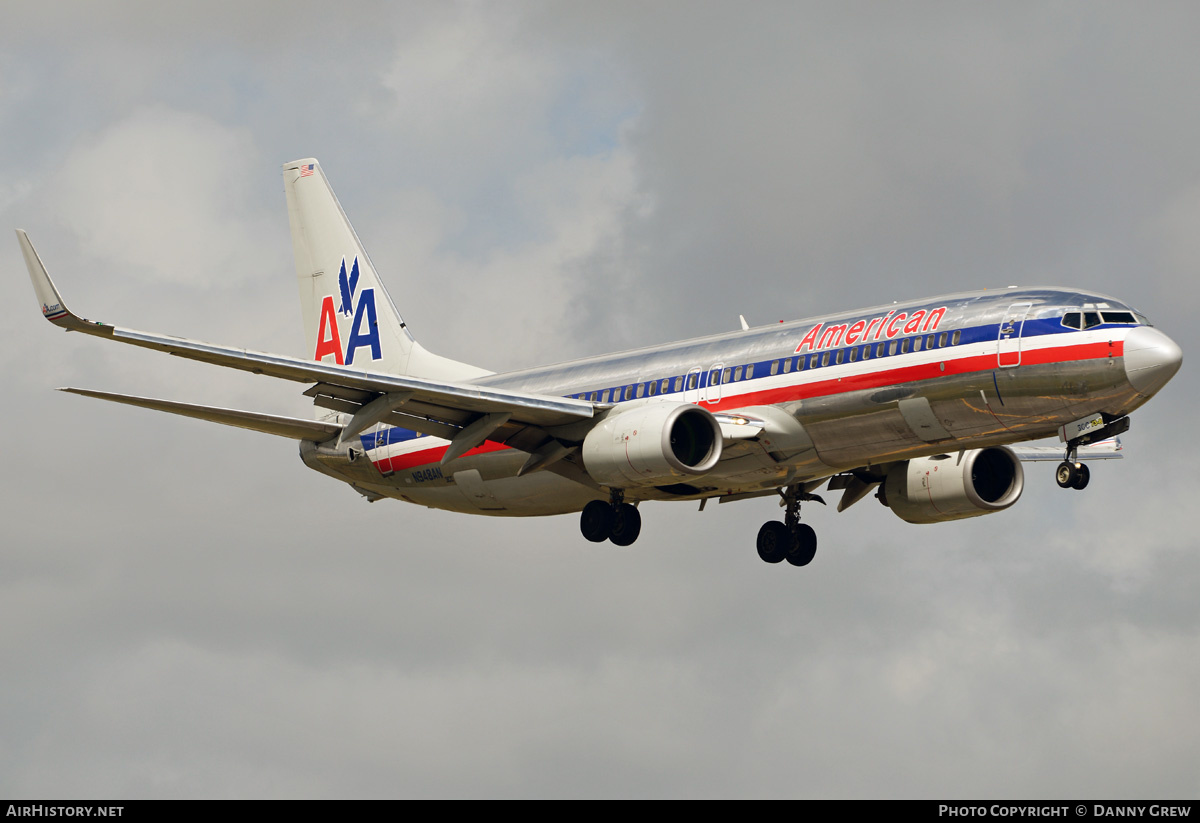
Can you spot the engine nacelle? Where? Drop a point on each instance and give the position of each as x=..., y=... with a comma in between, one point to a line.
x=652, y=445
x=943, y=487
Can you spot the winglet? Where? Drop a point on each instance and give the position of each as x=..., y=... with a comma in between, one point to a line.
x=53, y=307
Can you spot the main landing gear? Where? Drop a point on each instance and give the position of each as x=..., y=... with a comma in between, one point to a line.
x=790, y=540
x=1071, y=474
x=617, y=521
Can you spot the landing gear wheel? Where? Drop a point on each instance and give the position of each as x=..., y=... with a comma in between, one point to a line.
x=804, y=546
x=774, y=541
x=1066, y=475
x=596, y=521
x=626, y=524
x=1082, y=475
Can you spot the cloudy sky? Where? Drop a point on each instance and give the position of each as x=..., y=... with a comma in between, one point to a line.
x=186, y=610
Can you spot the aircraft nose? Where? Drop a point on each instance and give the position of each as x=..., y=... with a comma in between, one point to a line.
x=1151, y=359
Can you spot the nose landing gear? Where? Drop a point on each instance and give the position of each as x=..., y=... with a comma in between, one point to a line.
x=1071, y=474
x=790, y=540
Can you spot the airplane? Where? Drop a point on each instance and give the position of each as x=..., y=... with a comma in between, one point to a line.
x=921, y=401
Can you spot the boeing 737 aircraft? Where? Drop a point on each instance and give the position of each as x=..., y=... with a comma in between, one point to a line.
x=919, y=401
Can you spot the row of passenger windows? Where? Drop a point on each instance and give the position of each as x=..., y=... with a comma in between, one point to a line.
x=735, y=374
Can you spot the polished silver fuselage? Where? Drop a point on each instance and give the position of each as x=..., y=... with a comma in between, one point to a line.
x=838, y=393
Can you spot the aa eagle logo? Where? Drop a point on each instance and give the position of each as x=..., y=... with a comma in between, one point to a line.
x=364, y=328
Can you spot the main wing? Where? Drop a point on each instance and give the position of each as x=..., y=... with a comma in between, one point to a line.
x=463, y=412
x=1104, y=450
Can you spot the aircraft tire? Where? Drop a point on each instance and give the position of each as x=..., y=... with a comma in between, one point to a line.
x=774, y=541
x=1082, y=475
x=804, y=545
x=596, y=521
x=1065, y=475
x=626, y=524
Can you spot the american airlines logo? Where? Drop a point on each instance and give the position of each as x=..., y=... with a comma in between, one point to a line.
x=885, y=327
x=364, y=328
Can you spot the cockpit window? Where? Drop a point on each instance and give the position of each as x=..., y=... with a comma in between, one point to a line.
x=1087, y=319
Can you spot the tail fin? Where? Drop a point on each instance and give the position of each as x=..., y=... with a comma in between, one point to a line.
x=348, y=316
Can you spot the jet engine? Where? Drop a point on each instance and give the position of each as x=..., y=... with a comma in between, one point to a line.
x=652, y=444
x=949, y=487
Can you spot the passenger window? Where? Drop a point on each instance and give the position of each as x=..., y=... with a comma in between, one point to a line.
x=737, y=374
x=825, y=359
x=774, y=367
x=641, y=388
x=917, y=343
x=955, y=338
x=892, y=346
x=693, y=380
x=666, y=385
x=881, y=350
x=725, y=376
x=867, y=352
x=787, y=365
x=942, y=340
x=853, y=355
x=837, y=360
x=749, y=371
x=801, y=362
x=652, y=388
x=930, y=340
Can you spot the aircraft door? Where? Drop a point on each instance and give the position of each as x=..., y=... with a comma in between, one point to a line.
x=383, y=454
x=712, y=390
x=691, y=386
x=1008, y=341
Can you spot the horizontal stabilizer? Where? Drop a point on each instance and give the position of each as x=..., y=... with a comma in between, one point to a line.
x=291, y=427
